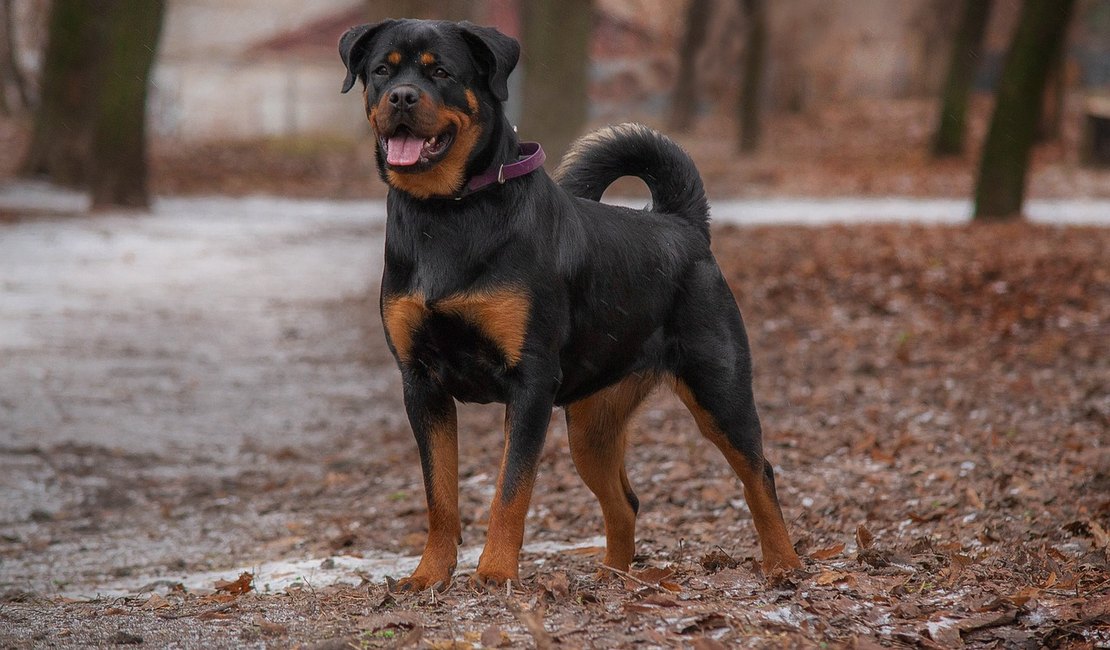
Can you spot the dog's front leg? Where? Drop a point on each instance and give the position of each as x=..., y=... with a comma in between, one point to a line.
x=431, y=412
x=526, y=418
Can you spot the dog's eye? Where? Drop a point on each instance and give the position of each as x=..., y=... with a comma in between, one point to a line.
x=381, y=71
x=440, y=73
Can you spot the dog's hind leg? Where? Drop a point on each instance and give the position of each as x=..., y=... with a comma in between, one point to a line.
x=713, y=379
x=596, y=426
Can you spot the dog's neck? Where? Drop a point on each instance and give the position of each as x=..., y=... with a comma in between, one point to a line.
x=501, y=149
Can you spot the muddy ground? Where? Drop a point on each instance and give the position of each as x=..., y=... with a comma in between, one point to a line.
x=204, y=392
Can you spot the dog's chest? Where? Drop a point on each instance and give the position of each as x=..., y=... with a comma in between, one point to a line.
x=463, y=339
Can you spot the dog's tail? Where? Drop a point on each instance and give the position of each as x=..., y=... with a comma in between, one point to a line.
x=597, y=159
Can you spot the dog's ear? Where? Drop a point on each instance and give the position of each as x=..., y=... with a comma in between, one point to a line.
x=354, y=47
x=496, y=53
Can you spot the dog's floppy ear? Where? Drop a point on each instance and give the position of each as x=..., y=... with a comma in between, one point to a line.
x=496, y=53
x=354, y=47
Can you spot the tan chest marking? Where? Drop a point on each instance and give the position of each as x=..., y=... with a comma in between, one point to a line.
x=501, y=315
x=403, y=315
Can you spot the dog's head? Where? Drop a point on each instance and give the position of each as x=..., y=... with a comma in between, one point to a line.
x=432, y=91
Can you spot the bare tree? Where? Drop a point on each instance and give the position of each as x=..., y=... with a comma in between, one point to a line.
x=755, y=56
x=966, y=49
x=130, y=30
x=1000, y=189
x=60, y=136
x=14, y=96
x=684, y=100
x=556, y=36
x=427, y=9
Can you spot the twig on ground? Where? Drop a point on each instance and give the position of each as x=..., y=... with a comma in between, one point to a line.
x=628, y=576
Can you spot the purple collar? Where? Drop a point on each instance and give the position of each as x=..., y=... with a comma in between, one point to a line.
x=531, y=158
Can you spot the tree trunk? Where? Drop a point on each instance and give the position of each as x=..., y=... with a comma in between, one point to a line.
x=684, y=101
x=1000, y=190
x=966, y=49
x=426, y=9
x=1052, y=112
x=755, y=56
x=118, y=173
x=556, y=72
x=13, y=87
x=60, y=135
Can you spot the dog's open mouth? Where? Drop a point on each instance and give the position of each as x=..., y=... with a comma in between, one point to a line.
x=405, y=149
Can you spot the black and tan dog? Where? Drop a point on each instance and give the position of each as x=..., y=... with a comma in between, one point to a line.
x=501, y=286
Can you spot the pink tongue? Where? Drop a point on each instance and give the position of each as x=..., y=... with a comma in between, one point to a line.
x=404, y=149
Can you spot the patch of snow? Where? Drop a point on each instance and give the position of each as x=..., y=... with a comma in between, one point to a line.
x=318, y=572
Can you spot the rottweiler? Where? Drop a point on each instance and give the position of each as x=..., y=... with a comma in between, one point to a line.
x=502, y=285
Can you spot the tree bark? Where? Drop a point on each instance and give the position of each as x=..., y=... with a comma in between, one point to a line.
x=1000, y=190
x=1052, y=113
x=966, y=49
x=118, y=173
x=60, y=136
x=426, y=9
x=556, y=65
x=755, y=56
x=14, y=97
x=684, y=100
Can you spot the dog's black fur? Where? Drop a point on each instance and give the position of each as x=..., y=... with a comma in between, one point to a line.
x=537, y=295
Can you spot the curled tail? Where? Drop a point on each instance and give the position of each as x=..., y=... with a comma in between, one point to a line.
x=597, y=159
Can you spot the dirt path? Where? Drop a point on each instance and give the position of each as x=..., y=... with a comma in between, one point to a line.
x=206, y=390
x=181, y=347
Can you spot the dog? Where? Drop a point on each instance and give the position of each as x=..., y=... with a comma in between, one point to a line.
x=502, y=285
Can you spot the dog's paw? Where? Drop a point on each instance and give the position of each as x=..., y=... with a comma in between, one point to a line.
x=781, y=563
x=418, y=582
x=492, y=580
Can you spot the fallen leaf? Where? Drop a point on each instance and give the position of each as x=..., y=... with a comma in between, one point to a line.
x=216, y=615
x=217, y=598
x=831, y=577
x=828, y=553
x=653, y=574
x=555, y=586
x=1025, y=595
x=957, y=563
x=156, y=602
x=973, y=499
x=716, y=560
x=864, y=538
x=661, y=600
x=701, y=623
x=240, y=585
x=1050, y=581
x=985, y=621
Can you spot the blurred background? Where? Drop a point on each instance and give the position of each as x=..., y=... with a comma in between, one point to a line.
x=793, y=97
x=199, y=385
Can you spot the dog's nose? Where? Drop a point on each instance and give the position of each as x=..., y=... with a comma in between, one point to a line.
x=404, y=96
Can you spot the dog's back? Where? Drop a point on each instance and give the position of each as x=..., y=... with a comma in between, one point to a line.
x=625, y=267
